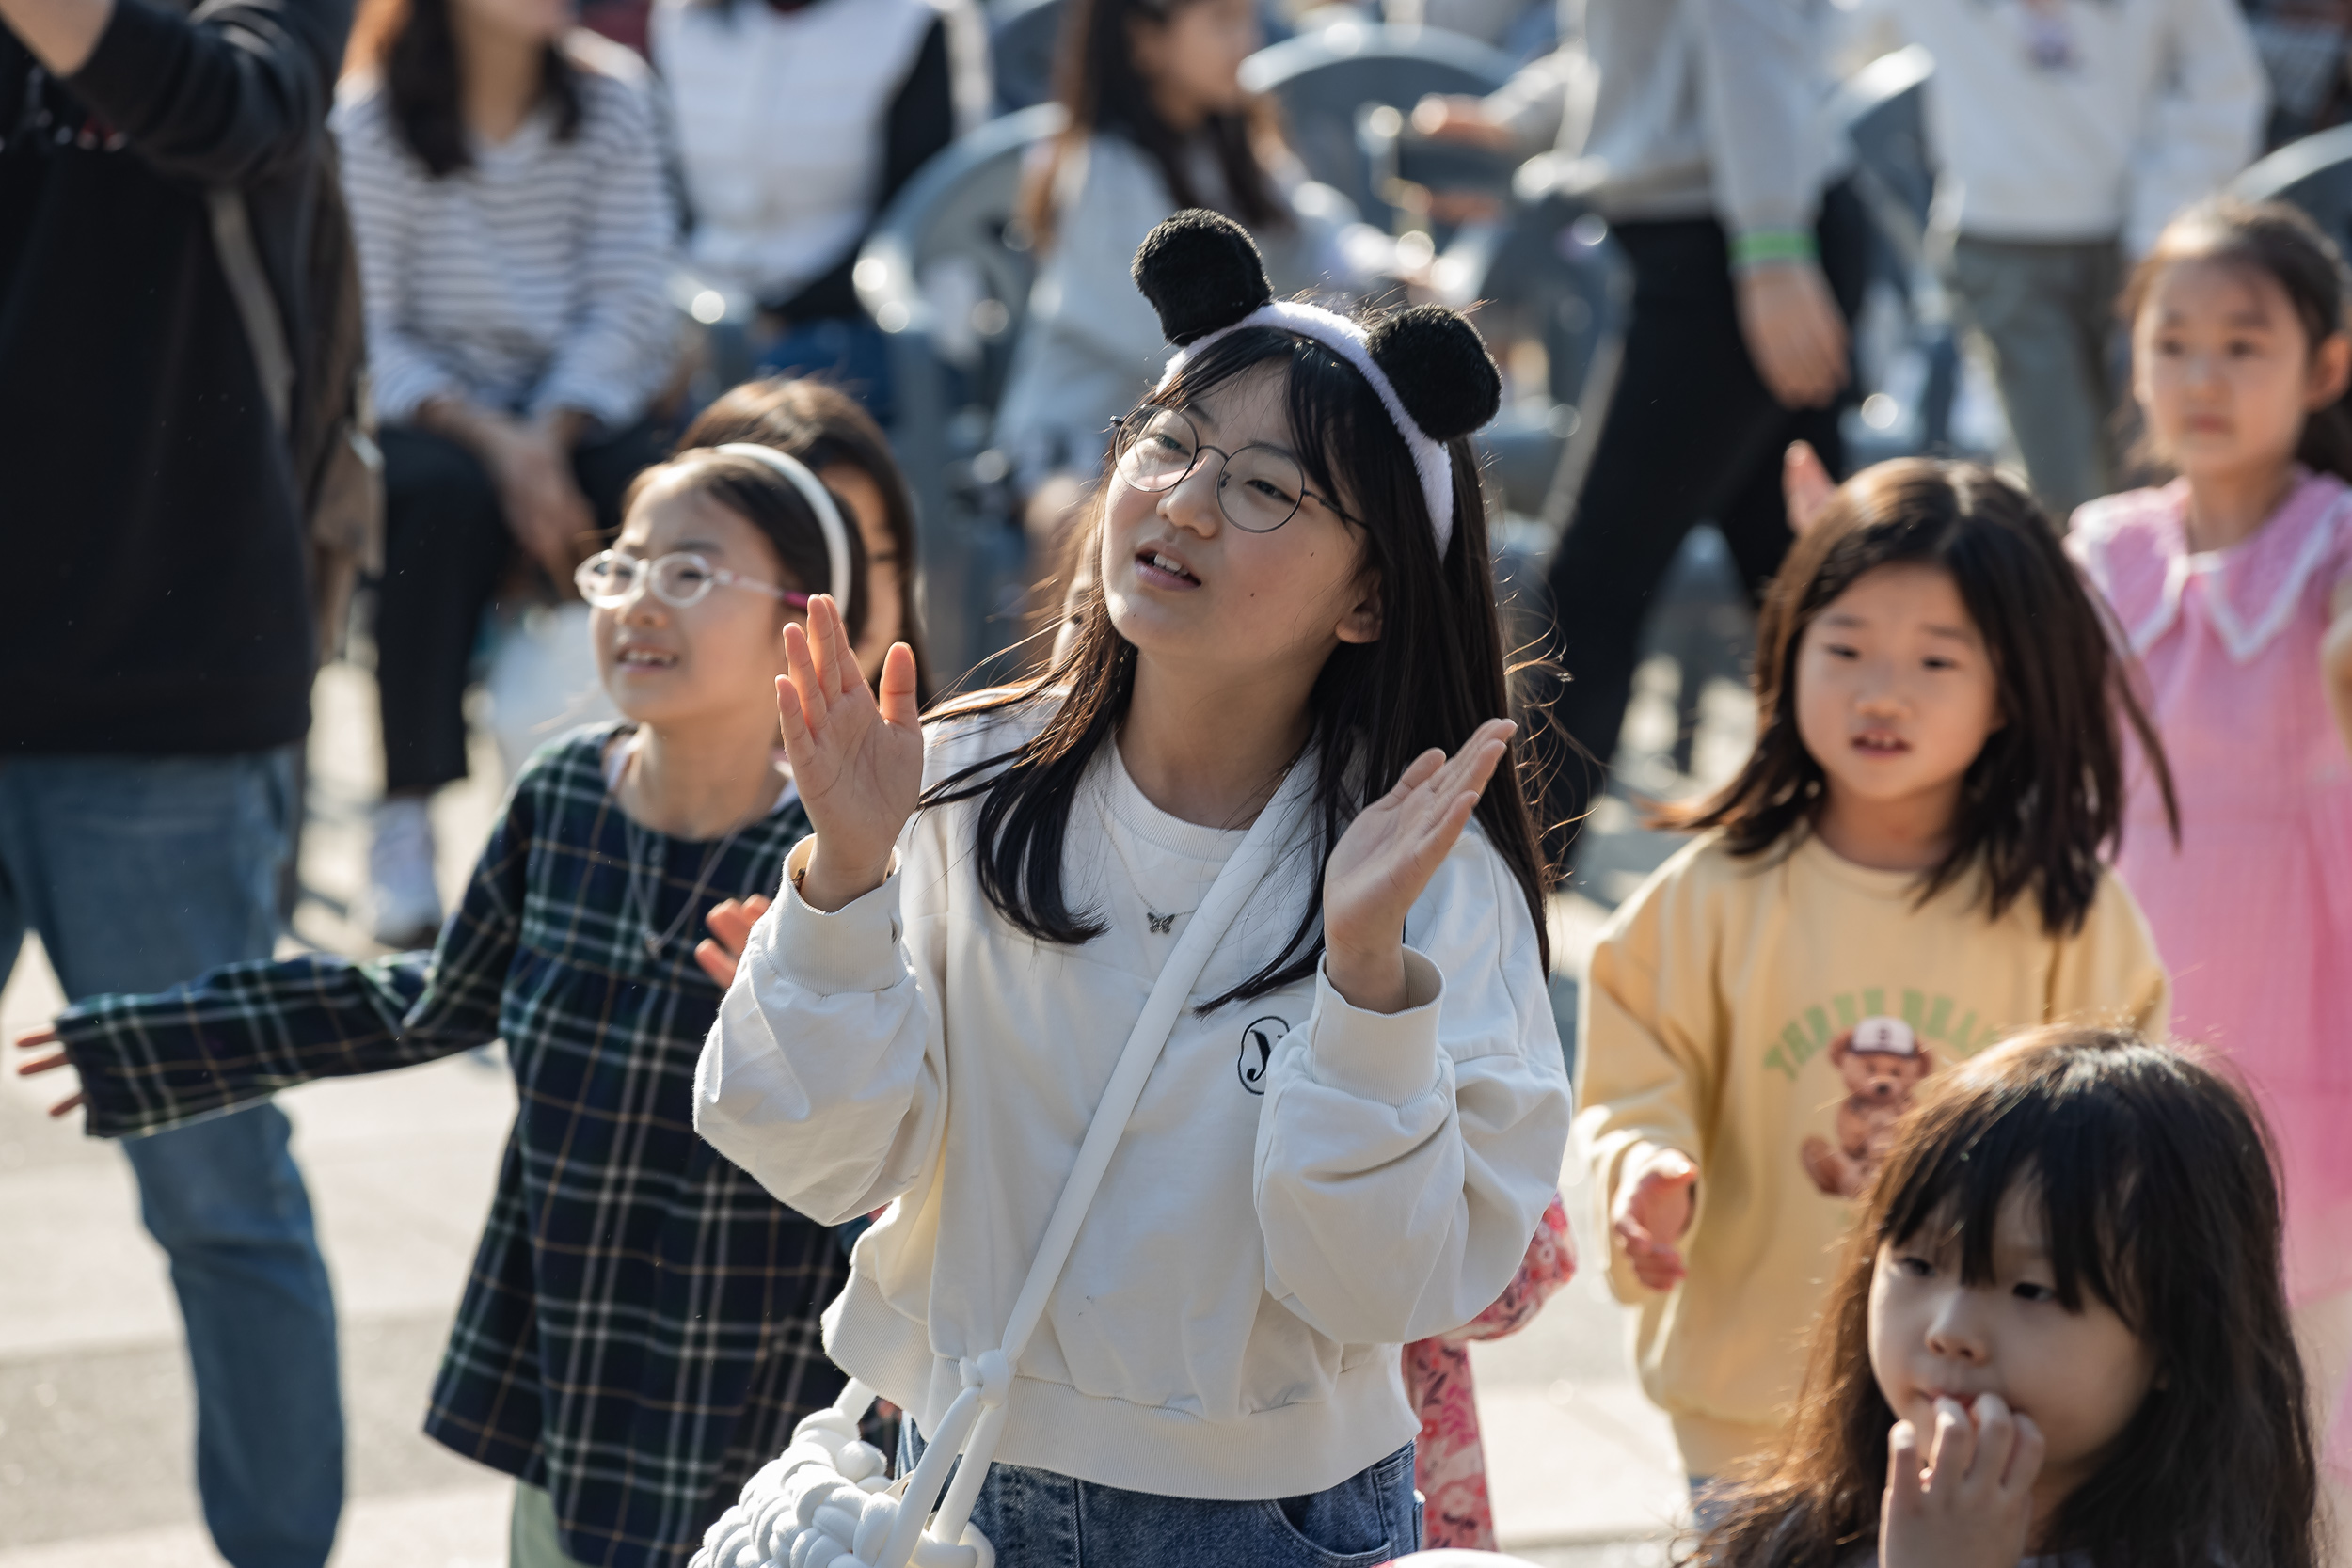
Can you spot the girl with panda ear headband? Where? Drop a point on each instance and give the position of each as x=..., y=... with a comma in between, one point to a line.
x=1284, y=721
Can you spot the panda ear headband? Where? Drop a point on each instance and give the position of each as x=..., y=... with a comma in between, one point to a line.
x=1203, y=274
x=819, y=501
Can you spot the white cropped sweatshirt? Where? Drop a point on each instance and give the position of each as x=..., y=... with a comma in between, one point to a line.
x=1303, y=1186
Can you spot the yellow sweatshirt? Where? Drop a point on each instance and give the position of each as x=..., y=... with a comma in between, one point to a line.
x=1767, y=1018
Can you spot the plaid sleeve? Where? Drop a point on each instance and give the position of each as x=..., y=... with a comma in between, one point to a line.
x=245, y=1030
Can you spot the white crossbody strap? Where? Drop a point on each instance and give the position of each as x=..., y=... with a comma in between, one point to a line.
x=895, y=1528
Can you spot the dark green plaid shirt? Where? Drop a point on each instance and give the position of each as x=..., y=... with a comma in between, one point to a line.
x=640, y=1332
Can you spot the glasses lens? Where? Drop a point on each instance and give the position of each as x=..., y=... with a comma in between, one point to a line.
x=1260, y=488
x=1160, y=449
x=605, y=579
x=681, y=579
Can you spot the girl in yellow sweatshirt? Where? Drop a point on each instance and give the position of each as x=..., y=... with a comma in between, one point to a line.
x=1909, y=866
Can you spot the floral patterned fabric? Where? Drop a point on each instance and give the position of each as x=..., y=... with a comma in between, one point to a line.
x=1449, y=1465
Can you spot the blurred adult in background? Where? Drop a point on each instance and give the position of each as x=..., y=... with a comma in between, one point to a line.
x=1699, y=129
x=157, y=661
x=1158, y=122
x=796, y=121
x=516, y=234
x=2065, y=133
x=2306, y=52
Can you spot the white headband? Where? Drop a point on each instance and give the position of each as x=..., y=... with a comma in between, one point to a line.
x=819, y=501
x=1345, y=339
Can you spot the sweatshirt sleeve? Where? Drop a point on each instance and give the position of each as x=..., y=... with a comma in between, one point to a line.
x=222, y=98
x=2202, y=124
x=825, y=1075
x=2108, y=972
x=621, y=342
x=245, y=1031
x=1647, y=1057
x=1759, y=64
x=1403, y=1159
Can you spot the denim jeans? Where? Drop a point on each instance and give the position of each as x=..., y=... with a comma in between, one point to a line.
x=138, y=873
x=1037, y=1519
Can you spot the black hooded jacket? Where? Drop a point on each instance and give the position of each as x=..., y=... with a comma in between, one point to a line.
x=152, y=541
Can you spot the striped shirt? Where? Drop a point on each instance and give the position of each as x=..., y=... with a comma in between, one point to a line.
x=639, y=1333
x=535, y=278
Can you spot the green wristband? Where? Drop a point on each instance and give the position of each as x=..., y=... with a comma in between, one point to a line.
x=1761, y=246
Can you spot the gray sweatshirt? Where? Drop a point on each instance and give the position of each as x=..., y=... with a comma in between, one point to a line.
x=1686, y=108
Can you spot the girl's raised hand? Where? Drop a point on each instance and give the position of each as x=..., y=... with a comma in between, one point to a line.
x=858, y=763
x=57, y=1058
x=1970, y=1505
x=1387, y=857
x=730, y=921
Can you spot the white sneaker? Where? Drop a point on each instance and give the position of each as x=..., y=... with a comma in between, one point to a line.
x=404, y=905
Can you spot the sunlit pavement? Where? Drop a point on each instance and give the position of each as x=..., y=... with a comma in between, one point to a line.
x=95, y=1415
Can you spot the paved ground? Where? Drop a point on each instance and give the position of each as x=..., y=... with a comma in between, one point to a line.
x=94, y=1405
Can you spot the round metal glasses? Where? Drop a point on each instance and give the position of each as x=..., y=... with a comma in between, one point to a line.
x=1260, y=489
x=608, y=579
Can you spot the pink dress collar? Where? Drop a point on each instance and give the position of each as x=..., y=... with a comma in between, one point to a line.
x=2134, y=548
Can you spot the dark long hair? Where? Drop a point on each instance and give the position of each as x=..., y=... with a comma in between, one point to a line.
x=822, y=425
x=413, y=44
x=2044, y=801
x=1097, y=85
x=2283, y=244
x=2154, y=1182
x=1432, y=678
x=774, y=505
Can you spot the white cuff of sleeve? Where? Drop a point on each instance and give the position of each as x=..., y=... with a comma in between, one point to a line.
x=853, y=949
x=1390, y=1057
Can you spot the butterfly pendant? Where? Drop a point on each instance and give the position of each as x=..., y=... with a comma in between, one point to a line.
x=1161, y=923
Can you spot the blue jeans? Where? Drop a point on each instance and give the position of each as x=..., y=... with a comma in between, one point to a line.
x=1037, y=1519
x=138, y=873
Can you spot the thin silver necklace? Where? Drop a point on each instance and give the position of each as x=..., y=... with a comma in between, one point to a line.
x=643, y=893
x=1162, y=925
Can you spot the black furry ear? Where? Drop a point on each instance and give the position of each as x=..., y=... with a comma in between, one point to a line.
x=1200, y=270
x=1440, y=370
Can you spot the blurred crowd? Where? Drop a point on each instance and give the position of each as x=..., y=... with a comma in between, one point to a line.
x=332, y=335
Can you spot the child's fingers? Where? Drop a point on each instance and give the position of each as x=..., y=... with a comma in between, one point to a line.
x=1418, y=772
x=799, y=658
x=716, y=961
x=897, y=688
x=1903, y=1469
x=1995, y=1437
x=36, y=1039
x=2025, y=1459
x=66, y=1106
x=1955, y=1441
x=791, y=721
x=40, y=1064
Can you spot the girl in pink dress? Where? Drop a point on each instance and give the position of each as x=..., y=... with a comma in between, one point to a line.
x=2233, y=585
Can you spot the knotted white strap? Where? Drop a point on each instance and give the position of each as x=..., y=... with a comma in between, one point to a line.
x=825, y=1502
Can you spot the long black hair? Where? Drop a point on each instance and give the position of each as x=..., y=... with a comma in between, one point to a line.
x=413, y=43
x=2282, y=243
x=1097, y=85
x=1435, y=673
x=2154, y=1184
x=2043, y=800
x=822, y=425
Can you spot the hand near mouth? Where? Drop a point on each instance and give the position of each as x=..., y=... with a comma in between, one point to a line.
x=1969, y=1504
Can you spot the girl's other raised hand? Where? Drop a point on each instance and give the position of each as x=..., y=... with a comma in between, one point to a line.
x=858, y=762
x=1387, y=857
x=730, y=921
x=1968, y=1501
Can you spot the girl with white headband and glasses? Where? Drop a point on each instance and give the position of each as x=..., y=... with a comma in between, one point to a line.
x=641, y=1326
x=1264, y=823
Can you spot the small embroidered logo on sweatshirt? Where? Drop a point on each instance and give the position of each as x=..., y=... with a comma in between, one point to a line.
x=1259, y=1037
